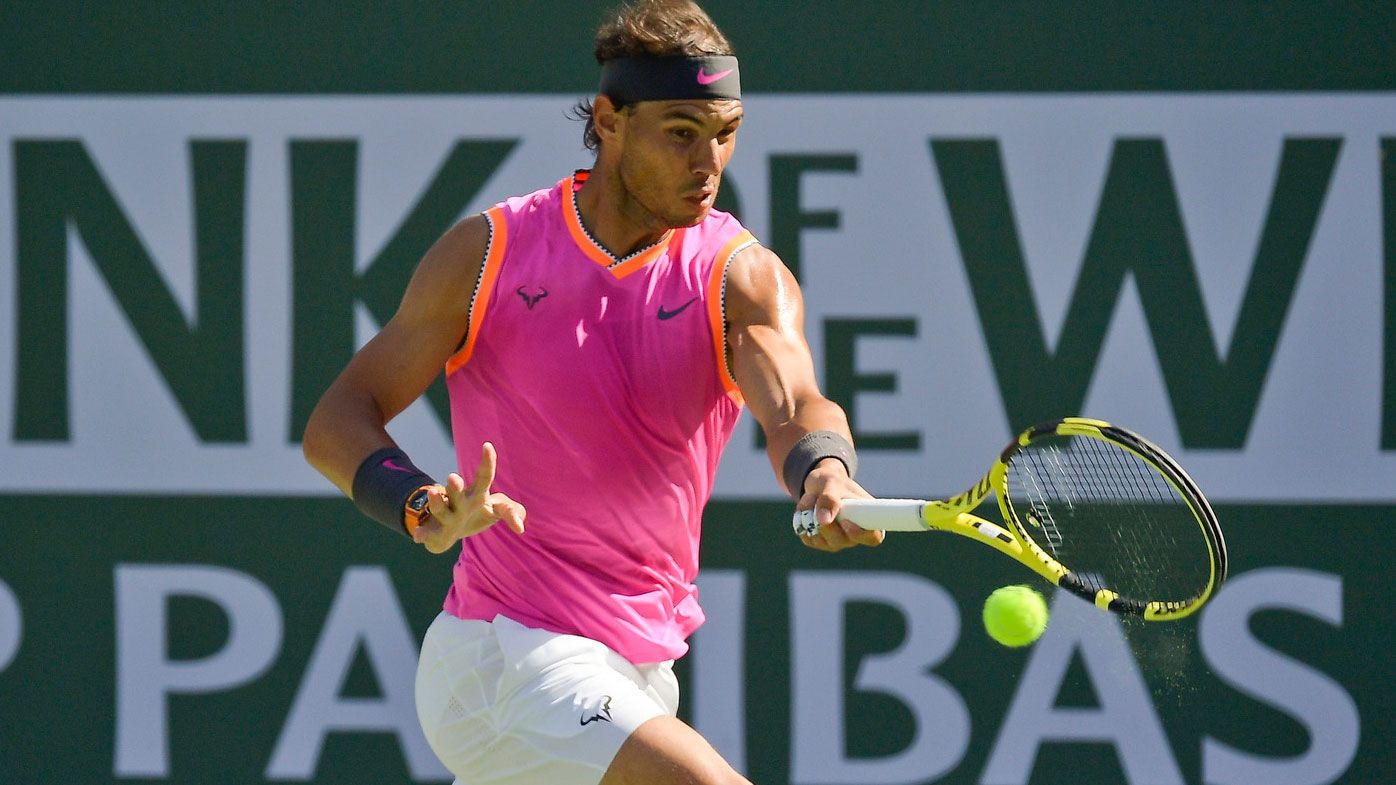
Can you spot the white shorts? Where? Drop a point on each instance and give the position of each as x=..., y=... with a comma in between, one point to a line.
x=501, y=703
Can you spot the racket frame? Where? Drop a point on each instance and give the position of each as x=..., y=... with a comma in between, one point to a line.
x=1015, y=541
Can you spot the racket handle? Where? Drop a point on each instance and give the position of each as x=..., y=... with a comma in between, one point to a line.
x=886, y=514
x=893, y=515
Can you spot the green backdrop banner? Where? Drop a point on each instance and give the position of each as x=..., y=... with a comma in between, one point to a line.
x=1213, y=271
x=534, y=46
x=1181, y=218
x=177, y=639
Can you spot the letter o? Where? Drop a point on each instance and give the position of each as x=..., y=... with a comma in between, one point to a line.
x=11, y=626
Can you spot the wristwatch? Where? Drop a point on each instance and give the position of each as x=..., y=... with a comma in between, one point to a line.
x=415, y=512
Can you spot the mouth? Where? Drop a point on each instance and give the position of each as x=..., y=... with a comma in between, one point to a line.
x=703, y=197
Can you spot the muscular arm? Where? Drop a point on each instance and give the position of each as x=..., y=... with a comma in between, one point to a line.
x=774, y=370
x=394, y=368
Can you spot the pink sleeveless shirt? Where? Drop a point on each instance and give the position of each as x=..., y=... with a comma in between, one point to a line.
x=603, y=384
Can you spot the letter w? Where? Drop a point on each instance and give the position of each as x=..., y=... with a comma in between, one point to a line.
x=1138, y=232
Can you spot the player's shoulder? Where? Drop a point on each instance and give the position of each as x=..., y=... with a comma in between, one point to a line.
x=531, y=202
x=460, y=251
x=747, y=256
x=758, y=286
x=754, y=266
x=543, y=203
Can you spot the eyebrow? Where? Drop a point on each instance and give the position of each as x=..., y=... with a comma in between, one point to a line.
x=681, y=113
x=693, y=116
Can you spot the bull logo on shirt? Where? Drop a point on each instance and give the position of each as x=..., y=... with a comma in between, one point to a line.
x=531, y=299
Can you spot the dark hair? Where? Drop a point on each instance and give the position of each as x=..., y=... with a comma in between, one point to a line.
x=659, y=28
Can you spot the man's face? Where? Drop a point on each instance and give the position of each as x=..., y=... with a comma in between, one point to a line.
x=672, y=154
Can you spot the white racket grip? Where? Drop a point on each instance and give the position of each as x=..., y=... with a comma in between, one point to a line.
x=896, y=515
x=892, y=515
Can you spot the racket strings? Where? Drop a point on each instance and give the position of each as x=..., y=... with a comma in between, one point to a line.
x=1040, y=514
x=1109, y=516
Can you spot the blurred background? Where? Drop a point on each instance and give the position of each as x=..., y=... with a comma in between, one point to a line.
x=1177, y=217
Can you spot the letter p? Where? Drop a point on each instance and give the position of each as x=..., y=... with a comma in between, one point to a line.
x=145, y=676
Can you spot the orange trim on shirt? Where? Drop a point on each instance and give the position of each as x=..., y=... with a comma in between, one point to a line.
x=593, y=250
x=717, y=315
x=645, y=257
x=480, y=298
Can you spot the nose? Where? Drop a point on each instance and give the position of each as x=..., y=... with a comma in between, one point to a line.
x=707, y=159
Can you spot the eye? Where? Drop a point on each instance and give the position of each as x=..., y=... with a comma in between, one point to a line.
x=682, y=134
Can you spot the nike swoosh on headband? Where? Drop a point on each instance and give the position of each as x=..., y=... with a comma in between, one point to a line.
x=705, y=78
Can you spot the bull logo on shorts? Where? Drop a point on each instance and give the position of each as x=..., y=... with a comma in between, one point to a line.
x=603, y=713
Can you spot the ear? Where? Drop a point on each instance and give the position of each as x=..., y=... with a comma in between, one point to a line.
x=609, y=121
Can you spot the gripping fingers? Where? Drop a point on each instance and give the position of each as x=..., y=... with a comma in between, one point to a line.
x=828, y=537
x=861, y=536
x=834, y=535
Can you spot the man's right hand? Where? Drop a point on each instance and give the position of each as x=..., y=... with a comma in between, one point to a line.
x=458, y=510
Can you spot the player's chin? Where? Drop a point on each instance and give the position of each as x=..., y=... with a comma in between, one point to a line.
x=692, y=211
x=682, y=219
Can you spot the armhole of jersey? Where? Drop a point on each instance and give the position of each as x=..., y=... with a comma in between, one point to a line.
x=717, y=310
x=484, y=286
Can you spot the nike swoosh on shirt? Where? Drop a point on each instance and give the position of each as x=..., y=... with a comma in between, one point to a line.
x=705, y=78
x=663, y=314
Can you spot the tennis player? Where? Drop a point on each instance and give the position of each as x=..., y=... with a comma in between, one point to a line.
x=599, y=340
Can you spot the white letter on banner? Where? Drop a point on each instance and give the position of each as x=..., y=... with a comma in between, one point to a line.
x=719, y=647
x=1126, y=717
x=144, y=674
x=1311, y=697
x=818, y=602
x=11, y=626
x=365, y=613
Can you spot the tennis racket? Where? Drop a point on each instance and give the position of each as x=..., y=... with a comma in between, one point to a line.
x=1091, y=507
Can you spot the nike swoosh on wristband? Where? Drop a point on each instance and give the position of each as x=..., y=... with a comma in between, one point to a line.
x=389, y=463
x=705, y=78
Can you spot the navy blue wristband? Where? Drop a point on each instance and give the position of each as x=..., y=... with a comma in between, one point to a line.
x=812, y=448
x=382, y=485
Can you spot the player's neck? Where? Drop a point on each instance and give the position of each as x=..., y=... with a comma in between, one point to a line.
x=613, y=219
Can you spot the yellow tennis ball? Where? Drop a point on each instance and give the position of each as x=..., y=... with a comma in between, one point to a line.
x=1015, y=615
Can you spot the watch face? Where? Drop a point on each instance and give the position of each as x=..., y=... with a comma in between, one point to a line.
x=418, y=501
